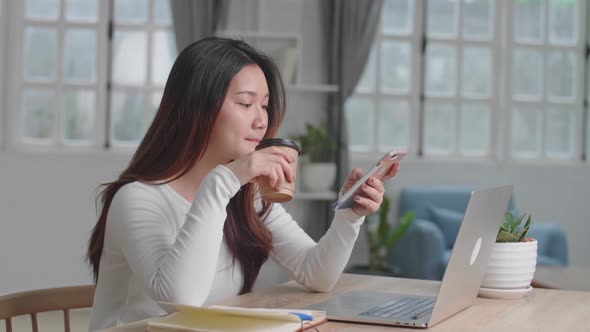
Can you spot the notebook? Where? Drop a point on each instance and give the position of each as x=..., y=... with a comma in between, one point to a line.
x=229, y=319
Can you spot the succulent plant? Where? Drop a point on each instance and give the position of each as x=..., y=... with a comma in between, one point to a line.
x=510, y=231
x=382, y=235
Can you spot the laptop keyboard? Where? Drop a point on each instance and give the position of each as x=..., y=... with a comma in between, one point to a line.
x=404, y=307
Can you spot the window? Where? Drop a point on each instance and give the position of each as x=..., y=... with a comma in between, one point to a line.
x=59, y=70
x=388, y=89
x=459, y=67
x=494, y=85
x=144, y=48
x=63, y=67
x=544, y=89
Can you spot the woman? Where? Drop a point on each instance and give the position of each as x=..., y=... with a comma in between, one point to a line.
x=183, y=223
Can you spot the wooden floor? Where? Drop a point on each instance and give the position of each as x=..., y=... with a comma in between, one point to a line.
x=51, y=321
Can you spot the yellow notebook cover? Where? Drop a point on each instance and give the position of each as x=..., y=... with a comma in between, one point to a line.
x=229, y=319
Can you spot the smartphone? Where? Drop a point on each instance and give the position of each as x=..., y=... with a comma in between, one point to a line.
x=377, y=171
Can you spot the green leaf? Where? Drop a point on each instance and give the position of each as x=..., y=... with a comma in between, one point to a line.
x=509, y=231
x=383, y=231
x=506, y=237
x=401, y=229
x=508, y=217
x=525, y=230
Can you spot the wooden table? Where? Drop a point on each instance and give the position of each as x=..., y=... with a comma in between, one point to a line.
x=540, y=310
x=560, y=277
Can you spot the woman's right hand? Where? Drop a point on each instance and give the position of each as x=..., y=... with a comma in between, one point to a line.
x=272, y=162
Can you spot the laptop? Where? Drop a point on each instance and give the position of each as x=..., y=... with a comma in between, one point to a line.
x=460, y=284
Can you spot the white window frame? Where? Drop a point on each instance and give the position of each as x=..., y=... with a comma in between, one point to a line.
x=18, y=23
x=103, y=86
x=501, y=103
x=459, y=42
x=148, y=88
x=413, y=96
x=544, y=103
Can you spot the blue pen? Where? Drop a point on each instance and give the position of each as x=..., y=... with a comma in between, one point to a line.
x=302, y=316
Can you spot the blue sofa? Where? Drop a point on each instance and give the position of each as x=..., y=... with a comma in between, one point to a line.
x=423, y=252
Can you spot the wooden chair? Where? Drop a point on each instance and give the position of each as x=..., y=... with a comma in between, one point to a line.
x=42, y=300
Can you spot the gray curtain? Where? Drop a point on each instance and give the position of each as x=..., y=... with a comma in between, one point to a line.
x=196, y=19
x=350, y=27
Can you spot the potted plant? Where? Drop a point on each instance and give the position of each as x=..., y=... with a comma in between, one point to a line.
x=381, y=236
x=318, y=171
x=514, y=256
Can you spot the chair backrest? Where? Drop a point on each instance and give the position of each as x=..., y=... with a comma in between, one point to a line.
x=42, y=300
x=420, y=199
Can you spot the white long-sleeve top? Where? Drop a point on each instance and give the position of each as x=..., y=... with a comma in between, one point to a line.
x=160, y=247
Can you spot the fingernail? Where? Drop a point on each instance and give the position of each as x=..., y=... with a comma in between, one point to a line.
x=357, y=198
x=371, y=180
x=365, y=186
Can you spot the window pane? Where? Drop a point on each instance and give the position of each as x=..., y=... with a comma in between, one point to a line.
x=477, y=71
x=476, y=19
x=162, y=12
x=527, y=73
x=82, y=10
x=130, y=57
x=563, y=21
x=526, y=131
x=528, y=20
x=397, y=17
x=156, y=99
x=42, y=9
x=562, y=74
x=394, y=124
x=79, y=116
x=40, y=54
x=475, y=129
x=80, y=55
x=367, y=81
x=359, y=117
x=442, y=18
x=131, y=11
x=441, y=69
x=129, y=117
x=163, y=52
x=38, y=112
x=439, y=127
x=559, y=139
x=395, y=66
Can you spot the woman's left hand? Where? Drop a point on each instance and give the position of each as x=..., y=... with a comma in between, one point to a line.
x=370, y=196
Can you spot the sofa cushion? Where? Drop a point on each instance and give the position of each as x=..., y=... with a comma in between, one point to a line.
x=448, y=221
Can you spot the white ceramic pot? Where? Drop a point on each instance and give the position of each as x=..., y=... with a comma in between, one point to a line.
x=318, y=177
x=512, y=265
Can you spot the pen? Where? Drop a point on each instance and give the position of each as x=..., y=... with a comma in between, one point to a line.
x=302, y=316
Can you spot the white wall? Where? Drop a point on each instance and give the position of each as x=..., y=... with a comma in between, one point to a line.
x=47, y=212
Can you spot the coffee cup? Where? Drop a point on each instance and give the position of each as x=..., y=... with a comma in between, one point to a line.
x=287, y=191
